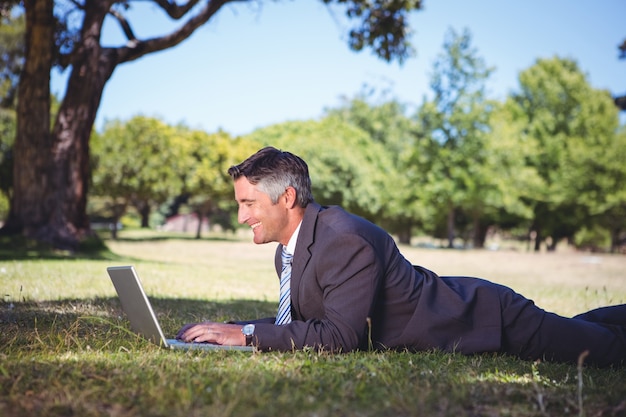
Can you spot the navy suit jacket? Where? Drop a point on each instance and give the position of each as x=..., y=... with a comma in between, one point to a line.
x=352, y=289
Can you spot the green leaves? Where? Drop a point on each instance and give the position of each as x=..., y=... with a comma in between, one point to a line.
x=346, y=168
x=572, y=128
x=381, y=25
x=144, y=162
x=456, y=123
x=12, y=48
x=548, y=158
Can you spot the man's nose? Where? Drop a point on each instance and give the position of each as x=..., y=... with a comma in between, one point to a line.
x=242, y=215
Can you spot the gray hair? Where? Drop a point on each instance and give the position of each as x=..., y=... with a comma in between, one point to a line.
x=273, y=170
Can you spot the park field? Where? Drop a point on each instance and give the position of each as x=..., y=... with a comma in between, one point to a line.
x=66, y=349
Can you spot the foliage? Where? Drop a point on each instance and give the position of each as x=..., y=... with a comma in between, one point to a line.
x=346, y=167
x=387, y=124
x=145, y=163
x=381, y=164
x=507, y=182
x=11, y=63
x=382, y=26
x=67, y=33
x=459, y=165
x=7, y=137
x=207, y=157
x=571, y=125
x=11, y=56
x=456, y=123
x=592, y=239
x=603, y=189
x=138, y=162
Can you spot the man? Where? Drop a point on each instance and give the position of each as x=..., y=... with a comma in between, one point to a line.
x=348, y=287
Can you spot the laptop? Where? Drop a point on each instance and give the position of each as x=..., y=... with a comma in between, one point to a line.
x=142, y=319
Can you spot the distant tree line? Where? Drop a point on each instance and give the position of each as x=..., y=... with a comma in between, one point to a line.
x=547, y=161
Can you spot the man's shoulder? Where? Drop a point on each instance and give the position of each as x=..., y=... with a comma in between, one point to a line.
x=334, y=214
x=340, y=220
x=332, y=220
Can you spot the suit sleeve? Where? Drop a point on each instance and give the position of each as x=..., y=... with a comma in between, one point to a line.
x=345, y=272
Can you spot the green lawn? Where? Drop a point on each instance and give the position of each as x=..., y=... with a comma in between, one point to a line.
x=66, y=349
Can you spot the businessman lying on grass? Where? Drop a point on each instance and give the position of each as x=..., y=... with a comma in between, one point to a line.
x=344, y=285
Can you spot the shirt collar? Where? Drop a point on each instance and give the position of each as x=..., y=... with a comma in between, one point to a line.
x=291, y=246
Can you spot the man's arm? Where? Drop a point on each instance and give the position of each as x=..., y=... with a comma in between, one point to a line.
x=338, y=290
x=220, y=333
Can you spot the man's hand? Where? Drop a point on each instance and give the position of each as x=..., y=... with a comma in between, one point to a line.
x=219, y=333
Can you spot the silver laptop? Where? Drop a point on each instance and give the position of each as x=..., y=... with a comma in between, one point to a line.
x=139, y=311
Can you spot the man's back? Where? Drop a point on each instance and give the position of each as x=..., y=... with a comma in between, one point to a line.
x=355, y=271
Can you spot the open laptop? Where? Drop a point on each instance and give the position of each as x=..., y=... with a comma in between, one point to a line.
x=142, y=319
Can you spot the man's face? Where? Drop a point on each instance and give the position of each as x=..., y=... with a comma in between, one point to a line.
x=269, y=222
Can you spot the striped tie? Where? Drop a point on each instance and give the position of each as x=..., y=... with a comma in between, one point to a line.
x=284, y=305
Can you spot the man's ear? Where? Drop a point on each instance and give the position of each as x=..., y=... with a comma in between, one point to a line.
x=290, y=195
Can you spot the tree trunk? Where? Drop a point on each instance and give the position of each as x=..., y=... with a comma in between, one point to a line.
x=479, y=233
x=31, y=200
x=202, y=211
x=200, y=216
x=450, y=228
x=118, y=212
x=615, y=232
x=144, y=209
x=52, y=170
x=404, y=235
x=538, y=239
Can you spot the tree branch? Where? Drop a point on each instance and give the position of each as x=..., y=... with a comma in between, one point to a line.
x=141, y=48
x=128, y=31
x=175, y=11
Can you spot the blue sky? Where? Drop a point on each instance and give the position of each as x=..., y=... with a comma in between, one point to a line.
x=273, y=61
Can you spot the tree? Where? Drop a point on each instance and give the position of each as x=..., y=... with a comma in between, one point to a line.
x=568, y=121
x=52, y=166
x=138, y=163
x=457, y=121
x=207, y=185
x=347, y=168
x=595, y=173
x=611, y=208
x=507, y=183
x=388, y=125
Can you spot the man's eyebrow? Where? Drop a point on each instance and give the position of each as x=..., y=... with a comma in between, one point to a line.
x=245, y=200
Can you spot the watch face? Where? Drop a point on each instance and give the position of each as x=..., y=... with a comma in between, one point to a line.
x=248, y=329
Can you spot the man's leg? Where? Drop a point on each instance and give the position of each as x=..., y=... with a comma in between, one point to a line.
x=532, y=333
x=606, y=315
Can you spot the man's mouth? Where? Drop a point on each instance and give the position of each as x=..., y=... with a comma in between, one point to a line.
x=255, y=225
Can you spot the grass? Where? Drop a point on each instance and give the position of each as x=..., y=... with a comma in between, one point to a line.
x=66, y=349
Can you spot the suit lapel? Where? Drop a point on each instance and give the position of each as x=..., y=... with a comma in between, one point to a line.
x=301, y=258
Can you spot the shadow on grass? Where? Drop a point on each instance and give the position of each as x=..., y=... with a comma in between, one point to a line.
x=47, y=325
x=185, y=237
x=17, y=247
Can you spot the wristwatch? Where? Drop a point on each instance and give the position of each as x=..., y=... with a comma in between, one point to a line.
x=248, y=331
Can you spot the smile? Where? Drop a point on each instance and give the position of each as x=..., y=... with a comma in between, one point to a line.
x=255, y=225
